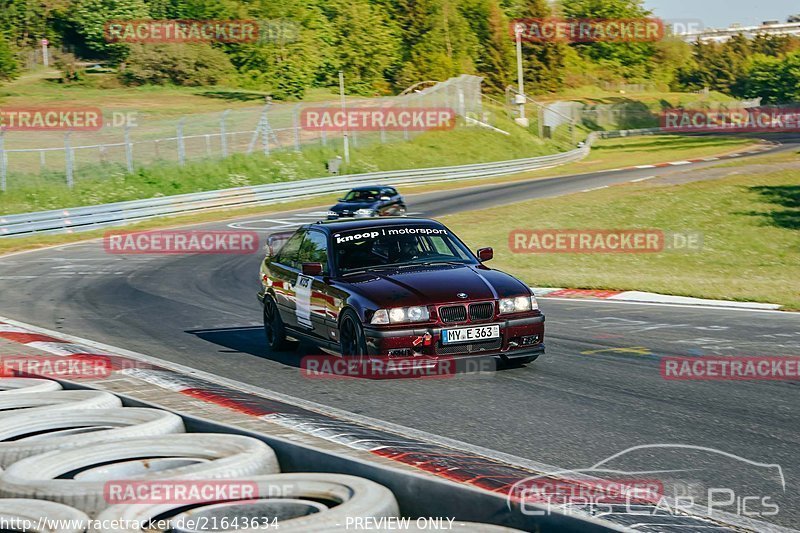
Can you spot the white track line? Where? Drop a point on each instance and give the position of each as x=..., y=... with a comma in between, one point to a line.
x=686, y=306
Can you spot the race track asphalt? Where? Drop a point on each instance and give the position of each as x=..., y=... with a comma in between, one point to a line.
x=597, y=392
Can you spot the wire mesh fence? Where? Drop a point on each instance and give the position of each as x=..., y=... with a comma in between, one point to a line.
x=122, y=146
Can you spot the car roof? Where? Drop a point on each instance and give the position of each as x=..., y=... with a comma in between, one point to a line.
x=332, y=226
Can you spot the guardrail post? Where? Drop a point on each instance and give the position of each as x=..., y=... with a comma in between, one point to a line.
x=70, y=163
x=128, y=149
x=223, y=138
x=181, y=147
x=3, y=163
x=296, y=128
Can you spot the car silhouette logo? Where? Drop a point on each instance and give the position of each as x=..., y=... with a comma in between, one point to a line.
x=462, y=295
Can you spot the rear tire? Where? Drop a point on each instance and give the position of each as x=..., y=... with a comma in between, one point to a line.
x=274, y=329
x=352, y=341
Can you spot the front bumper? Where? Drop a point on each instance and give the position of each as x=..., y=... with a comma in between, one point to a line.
x=405, y=342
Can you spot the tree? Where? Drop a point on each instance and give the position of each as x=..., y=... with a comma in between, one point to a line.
x=364, y=44
x=629, y=60
x=495, y=59
x=88, y=19
x=8, y=63
x=543, y=64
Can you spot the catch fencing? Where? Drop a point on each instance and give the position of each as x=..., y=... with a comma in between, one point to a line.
x=121, y=213
x=131, y=140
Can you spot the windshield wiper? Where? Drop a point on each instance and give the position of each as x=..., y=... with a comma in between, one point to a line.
x=430, y=263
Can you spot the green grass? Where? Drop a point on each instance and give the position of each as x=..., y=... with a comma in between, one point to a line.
x=102, y=184
x=593, y=163
x=750, y=226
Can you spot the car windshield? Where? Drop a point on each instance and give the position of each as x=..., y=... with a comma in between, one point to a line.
x=362, y=195
x=396, y=246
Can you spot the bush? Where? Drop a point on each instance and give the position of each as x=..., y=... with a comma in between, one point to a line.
x=177, y=64
x=8, y=63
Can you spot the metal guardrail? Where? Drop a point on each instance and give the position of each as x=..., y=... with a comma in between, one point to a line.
x=121, y=213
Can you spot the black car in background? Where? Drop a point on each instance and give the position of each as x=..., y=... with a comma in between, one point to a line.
x=366, y=202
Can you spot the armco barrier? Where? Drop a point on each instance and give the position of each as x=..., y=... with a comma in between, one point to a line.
x=121, y=213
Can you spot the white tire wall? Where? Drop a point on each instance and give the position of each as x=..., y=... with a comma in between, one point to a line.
x=9, y=386
x=224, y=456
x=60, y=399
x=125, y=423
x=349, y=496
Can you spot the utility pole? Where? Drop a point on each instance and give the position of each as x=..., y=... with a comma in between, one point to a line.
x=344, y=115
x=522, y=120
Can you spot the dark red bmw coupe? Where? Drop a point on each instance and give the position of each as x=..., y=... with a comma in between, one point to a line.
x=396, y=287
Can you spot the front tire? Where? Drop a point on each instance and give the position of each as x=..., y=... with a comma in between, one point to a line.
x=274, y=329
x=352, y=341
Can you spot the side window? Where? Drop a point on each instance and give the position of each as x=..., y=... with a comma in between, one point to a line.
x=314, y=250
x=288, y=253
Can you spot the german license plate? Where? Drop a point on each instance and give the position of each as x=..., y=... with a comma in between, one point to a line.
x=475, y=334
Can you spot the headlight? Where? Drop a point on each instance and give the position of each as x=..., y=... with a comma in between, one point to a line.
x=364, y=212
x=333, y=214
x=520, y=304
x=399, y=315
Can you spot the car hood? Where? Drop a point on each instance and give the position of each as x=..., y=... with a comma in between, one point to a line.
x=353, y=206
x=435, y=285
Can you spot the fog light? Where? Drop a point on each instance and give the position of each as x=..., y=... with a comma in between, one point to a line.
x=530, y=339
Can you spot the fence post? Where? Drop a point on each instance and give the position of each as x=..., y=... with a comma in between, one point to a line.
x=3, y=163
x=297, y=128
x=42, y=161
x=223, y=137
x=69, y=160
x=128, y=149
x=181, y=147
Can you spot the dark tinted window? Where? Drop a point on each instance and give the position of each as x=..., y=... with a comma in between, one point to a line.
x=288, y=252
x=362, y=195
x=396, y=245
x=314, y=249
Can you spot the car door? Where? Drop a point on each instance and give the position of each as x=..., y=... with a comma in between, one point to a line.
x=387, y=207
x=284, y=272
x=314, y=303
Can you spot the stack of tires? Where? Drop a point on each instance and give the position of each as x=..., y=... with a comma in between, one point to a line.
x=59, y=450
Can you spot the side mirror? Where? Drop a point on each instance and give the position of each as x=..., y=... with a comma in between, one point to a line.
x=312, y=269
x=485, y=254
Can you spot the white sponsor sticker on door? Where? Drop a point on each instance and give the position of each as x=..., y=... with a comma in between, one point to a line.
x=303, y=299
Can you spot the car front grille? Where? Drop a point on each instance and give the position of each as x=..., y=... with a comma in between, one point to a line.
x=471, y=348
x=481, y=311
x=453, y=313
